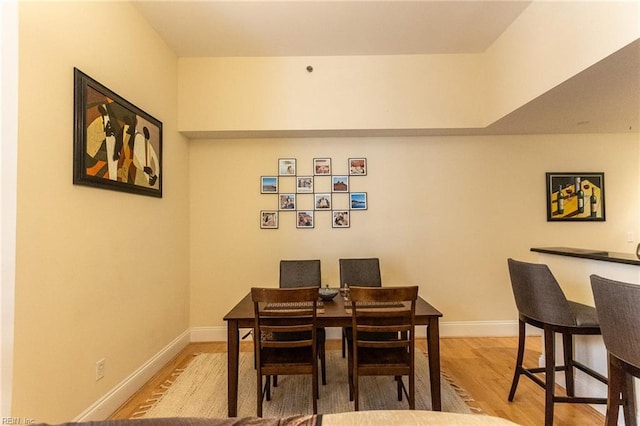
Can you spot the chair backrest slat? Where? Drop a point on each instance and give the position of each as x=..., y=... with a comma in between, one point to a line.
x=285, y=328
x=284, y=344
x=383, y=343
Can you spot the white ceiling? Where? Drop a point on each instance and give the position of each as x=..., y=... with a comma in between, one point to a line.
x=328, y=28
x=604, y=98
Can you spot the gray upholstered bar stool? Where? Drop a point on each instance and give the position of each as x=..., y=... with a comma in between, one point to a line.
x=542, y=304
x=618, y=306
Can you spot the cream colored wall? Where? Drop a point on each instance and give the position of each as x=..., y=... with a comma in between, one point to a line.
x=444, y=213
x=347, y=92
x=99, y=274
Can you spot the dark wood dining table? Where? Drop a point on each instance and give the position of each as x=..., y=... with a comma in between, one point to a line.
x=333, y=314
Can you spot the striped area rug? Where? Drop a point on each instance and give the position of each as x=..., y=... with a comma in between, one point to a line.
x=200, y=390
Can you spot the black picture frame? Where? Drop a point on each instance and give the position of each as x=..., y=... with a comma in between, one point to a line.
x=269, y=219
x=117, y=146
x=358, y=201
x=568, y=204
x=268, y=184
x=357, y=166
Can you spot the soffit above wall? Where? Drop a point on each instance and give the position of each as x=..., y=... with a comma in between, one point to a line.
x=605, y=98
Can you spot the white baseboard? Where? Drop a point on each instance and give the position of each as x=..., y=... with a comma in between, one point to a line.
x=117, y=396
x=110, y=402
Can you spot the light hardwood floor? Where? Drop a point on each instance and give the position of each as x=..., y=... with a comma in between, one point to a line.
x=481, y=366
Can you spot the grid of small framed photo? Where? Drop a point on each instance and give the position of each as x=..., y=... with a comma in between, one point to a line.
x=319, y=191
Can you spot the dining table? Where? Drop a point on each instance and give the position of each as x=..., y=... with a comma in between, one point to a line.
x=332, y=314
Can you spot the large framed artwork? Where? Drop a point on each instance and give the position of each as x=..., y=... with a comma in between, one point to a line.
x=575, y=197
x=117, y=146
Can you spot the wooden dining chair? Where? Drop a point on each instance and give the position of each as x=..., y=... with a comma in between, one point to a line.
x=291, y=313
x=361, y=272
x=383, y=340
x=305, y=273
x=541, y=303
x=617, y=305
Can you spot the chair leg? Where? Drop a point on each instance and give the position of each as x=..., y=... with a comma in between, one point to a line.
x=567, y=344
x=275, y=380
x=629, y=400
x=344, y=343
x=355, y=393
x=399, y=385
x=315, y=393
x=412, y=391
x=615, y=385
x=323, y=365
x=549, y=367
x=259, y=395
x=350, y=374
x=267, y=388
x=518, y=370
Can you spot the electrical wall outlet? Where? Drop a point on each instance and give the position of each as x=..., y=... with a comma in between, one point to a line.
x=100, y=367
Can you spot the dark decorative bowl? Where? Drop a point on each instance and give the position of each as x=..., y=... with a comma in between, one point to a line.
x=327, y=293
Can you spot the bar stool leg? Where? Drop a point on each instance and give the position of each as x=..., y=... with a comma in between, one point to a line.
x=549, y=366
x=518, y=370
x=567, y=343
x=629, y=401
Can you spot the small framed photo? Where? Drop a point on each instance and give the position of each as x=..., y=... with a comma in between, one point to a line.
x=340, y=218
x=575, y=196
x=322, y=201
x=322, y=166
x=287, y=201
x=357, y=166
x=268, y=184
x=287, y=166
x=339, y=183
x=268, y=219
x=304, y=184
x=304, y=219
x=358, y=200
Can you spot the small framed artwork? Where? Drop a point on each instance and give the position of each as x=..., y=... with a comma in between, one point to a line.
x=340, y=183
x=358, y=200
x=287, y=166
x=322, y=201
x=322, y=166
x=304, y=219
x=304, y=184
x=116, y=145
x=287, y=201
x=575, y=196
x=340, y=218
x=269, y=219
x=268, y=184
x=357, y=166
